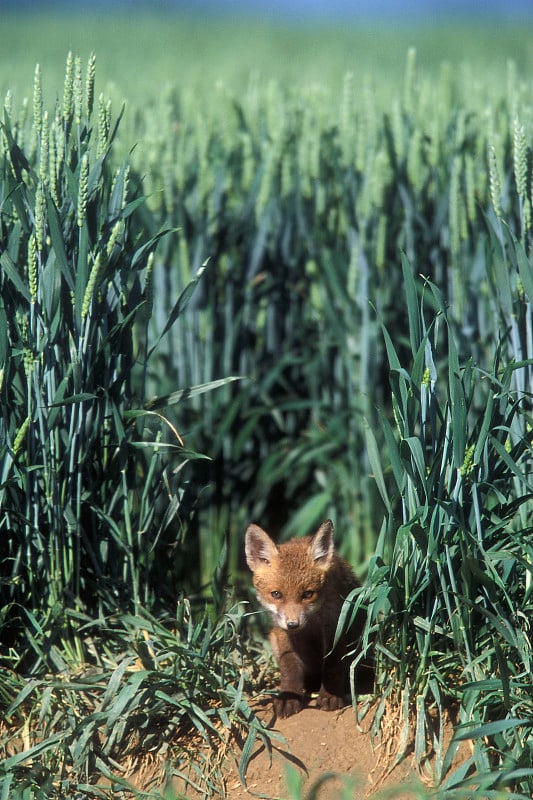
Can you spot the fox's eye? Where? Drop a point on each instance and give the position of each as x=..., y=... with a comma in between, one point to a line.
x=276, y=595
x=307, y=595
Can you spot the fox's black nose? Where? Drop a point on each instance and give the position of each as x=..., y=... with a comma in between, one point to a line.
x=292, y=624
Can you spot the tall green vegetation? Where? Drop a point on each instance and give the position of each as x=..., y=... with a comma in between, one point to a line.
x=378, y=386
x=303, y=201
x=91, y=477
x=82, y=470
x=449, y=587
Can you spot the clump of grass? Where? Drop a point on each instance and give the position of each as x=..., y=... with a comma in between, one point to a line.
x=85, y=465
x=449, y=588
x=91, y=477
x=164, y=705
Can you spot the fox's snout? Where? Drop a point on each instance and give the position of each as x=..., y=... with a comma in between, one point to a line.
x=289, y=619
x=287, y=615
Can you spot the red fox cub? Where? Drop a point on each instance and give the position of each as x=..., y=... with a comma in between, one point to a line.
x=303, y=584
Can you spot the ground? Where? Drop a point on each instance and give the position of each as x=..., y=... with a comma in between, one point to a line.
x=318, y=742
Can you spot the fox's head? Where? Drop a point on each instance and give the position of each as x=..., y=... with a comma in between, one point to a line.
x=289, y=578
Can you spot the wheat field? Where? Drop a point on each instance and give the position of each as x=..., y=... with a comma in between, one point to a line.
x=273, y=293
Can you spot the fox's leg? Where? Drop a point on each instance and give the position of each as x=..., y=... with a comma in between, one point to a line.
x=292, y=695
x=334, y=684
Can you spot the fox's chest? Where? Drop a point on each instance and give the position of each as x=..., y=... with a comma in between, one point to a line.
x=309, y=645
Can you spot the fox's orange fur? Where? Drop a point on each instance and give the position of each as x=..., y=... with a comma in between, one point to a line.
x=302, y=584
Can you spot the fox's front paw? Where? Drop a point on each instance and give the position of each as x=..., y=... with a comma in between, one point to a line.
x=288, y=703
x=329, y=702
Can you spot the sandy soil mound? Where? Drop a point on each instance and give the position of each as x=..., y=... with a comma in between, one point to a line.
x=319, y=742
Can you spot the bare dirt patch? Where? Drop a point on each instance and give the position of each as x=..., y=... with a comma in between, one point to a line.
x=318, y=742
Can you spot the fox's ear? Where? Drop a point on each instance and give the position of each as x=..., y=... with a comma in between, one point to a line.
x=259, y=547
x=322, y=546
